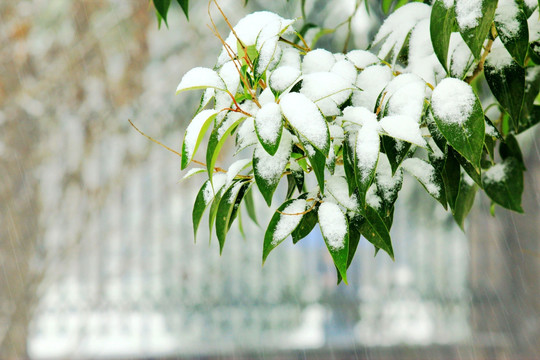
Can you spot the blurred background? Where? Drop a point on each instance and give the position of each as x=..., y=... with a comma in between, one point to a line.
x=97, y=258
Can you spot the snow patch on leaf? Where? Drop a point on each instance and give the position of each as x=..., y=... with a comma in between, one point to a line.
x=333, y=225
x=287, y=223
x=404, y=128
x=424, y=172
x=468, y=13
x=200, y=78
x=453, y=101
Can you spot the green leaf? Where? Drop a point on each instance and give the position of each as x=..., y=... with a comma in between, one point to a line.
x=227, y=210
x=200, y=205
x=335, y=231
x=214, y=208
x=475, y=36
x=395, y=150
x=507, y=84
x=194, y=135
x=386, y=4
x=451, y=175
x=516, y=41
x=460, y=122
x=532, y=89
x=510, y=148
x=184, y=4
x=467, y=166
x=367, y=149
x=162, y=8
x=503, y=183
x=308, y=222
x=217, y=140
x=354, y=240
x=348, y=163
x=442, y=22
x=375, y=231
x=464, y=200
x=282, y=224
x=250, y=206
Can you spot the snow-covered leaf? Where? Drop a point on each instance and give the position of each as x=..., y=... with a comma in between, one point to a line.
x=192, y=172
x=217, y=139
x=318, y=60
x=367, y=154
x=430, y=179
x=235, y=168
x=305, y=117
x=200, y=78
x=459, y=116
x=335, y=230
x=228, y=209
x=371, y=81
x=269, y=126
x=512, y=28
x=362, y=58
x=285, y=220
x=474, y=19
x=268, y=169
x=506, y=79
x=283, y=77
x=375, y=231
x=307, y=224
x=194, y=135
x=443, y=20
x=335, y=91
x=337, y=187
x=503, y=183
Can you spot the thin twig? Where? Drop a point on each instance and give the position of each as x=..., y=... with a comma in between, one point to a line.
x=300, y=213
x=480, y=67
x=305, y=49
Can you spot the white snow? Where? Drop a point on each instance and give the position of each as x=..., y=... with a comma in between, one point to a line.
x=266, y=97
x=372, y=81
x=327, y=90
x=460, y=57
x=290, y=57
x=234, y=192
x=506, y=15
x=200, y=78
x=534, y=26
x=362, y=58
x=235, y=169
x=318, y=61
x=268, y=122
x=333, y=225
x=496, y=173
x=448, y=3
x=284, y=77
x=452, y=101
x=424, y=172
x=287, y=223
x=468, y=12
x=336, y=132
x=405, y=95
x=372, y=199
x=367, y=147
x=357, y=115
x=271, y=167
x=246, y=135
x=305, y=117
x=249, y=28
x=404, y=128
x=267, y=45
x=192, y=172
x=499, y=57
x=218, y=181
x=346, y=70
x=422, y=60
x=397, y=26
x=338, y=188
x=194, y=129
x=531, y=4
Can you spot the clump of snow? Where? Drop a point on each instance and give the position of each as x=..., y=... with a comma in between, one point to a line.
x=404, y=128
x=268, y=122
x=284, y=77
x=424, y=172
x=534, y=26
x=506, y=15
x=468, y=13
x=367, y=148
x=287, y=223
x=337, y=186
x=271, y=167
x=234, y=192
x=192, y=172
x=305, y=117
x=317, y=61
x=452, y=101
x=327, y=90
x=249, y=28
x=357, y=115
x=460, y=56
x=266, y=97
x=194, y=129
x=346, y=70
x=422, y=60
x=531, y=4
x=405, y=95
x=397, y=26
x=267, y=46
x=336, y=132
x=290, y=57
x=235, y=169
x=372, y=199
x=333, y=225
x=200, y=78
x=372, y=81
x=496, y=173
x=362, y=58
x=246, y=135
x=448, y=3
x=499, y=57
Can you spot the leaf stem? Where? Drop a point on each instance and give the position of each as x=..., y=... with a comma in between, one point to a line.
x=480, y=67
x=305, y=49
